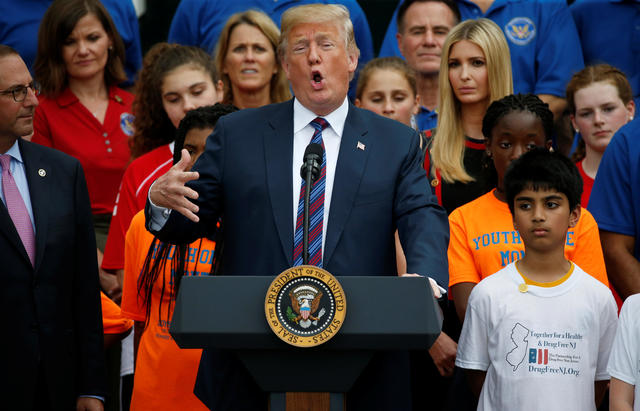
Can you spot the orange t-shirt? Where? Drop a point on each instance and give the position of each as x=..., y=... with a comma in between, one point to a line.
x=112, y=320
x=483, y=241
x=165, y=374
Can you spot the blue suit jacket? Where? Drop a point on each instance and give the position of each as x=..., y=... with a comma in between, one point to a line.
x=245, y=177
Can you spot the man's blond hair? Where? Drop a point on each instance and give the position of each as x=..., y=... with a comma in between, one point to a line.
x=318, y=13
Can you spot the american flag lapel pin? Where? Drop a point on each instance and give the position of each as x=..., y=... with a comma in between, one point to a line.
x=360, y=146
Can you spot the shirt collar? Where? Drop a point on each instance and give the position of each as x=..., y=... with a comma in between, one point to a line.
x=302, y=116
x=426, y=111
x=14, y=152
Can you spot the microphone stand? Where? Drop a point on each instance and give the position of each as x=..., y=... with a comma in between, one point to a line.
x=310, y=171
x=305, y=227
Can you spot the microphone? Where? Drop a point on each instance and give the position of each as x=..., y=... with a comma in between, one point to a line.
x=310, y=171
x=312, y=161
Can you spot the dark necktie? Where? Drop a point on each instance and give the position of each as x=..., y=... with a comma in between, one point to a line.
x=316, y=207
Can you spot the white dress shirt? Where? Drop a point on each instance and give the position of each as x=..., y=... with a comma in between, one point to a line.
x=302, y=134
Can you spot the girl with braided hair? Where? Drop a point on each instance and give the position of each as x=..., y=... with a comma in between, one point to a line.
x=483, y=238
x=165, y=374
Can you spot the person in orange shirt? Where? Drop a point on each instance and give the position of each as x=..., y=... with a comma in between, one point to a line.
x=115, y=326
x=165, y=374
x=483, y=239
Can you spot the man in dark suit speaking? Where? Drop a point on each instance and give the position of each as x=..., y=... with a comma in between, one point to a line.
x=51, y=352
x=372, y=184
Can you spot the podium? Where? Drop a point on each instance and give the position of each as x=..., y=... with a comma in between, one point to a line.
x=384, y=313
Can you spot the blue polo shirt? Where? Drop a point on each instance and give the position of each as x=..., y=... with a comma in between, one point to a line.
x=199, y=22
x=426, y=119
x=615, y=197
x=542, y=37
x=618, y=43
x=20, y=20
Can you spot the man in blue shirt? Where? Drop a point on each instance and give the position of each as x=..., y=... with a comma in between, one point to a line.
x=615, y=204
x=617, y=45
x=199, y=22
x=543, y=41
x=424, y=25
x=19, y=22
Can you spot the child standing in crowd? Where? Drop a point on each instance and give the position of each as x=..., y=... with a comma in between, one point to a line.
x=387, y=86
x=165, y=374
x=600, y=101
x=483, y=239
x=522, y=346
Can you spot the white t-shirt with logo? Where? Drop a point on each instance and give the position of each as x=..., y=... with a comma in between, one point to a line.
x=542, y=347
x=624, y=363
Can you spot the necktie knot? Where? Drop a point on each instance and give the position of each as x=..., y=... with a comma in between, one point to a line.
x=5, y=162
x=319, y=124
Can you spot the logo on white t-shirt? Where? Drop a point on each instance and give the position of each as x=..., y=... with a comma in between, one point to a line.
x=519, y=337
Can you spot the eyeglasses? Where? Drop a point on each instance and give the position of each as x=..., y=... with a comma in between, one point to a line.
x=19, y=93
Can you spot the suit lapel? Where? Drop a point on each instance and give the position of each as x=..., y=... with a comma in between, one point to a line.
x=352, y=158
x=278, y=149
x=39, y=188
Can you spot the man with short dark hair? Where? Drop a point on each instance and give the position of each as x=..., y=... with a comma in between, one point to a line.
x=51, y=356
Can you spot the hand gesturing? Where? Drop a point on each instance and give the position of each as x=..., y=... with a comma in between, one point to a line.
x=169, y=191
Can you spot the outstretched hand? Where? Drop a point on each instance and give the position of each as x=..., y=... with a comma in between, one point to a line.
x=169, y=191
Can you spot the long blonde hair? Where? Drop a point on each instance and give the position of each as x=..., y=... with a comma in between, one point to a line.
x=447, y=150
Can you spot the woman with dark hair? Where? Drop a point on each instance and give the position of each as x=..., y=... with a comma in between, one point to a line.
x=247, y=59
x=82, y=111
x=165, y=374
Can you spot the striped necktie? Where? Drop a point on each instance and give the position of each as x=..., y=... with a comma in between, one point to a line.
x=316, y=207
x=17, y=209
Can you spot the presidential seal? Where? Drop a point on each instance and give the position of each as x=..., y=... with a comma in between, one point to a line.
x=305, y=306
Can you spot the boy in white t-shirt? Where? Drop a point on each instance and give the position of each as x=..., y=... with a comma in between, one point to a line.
x=537, y=334
x=624, y=363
